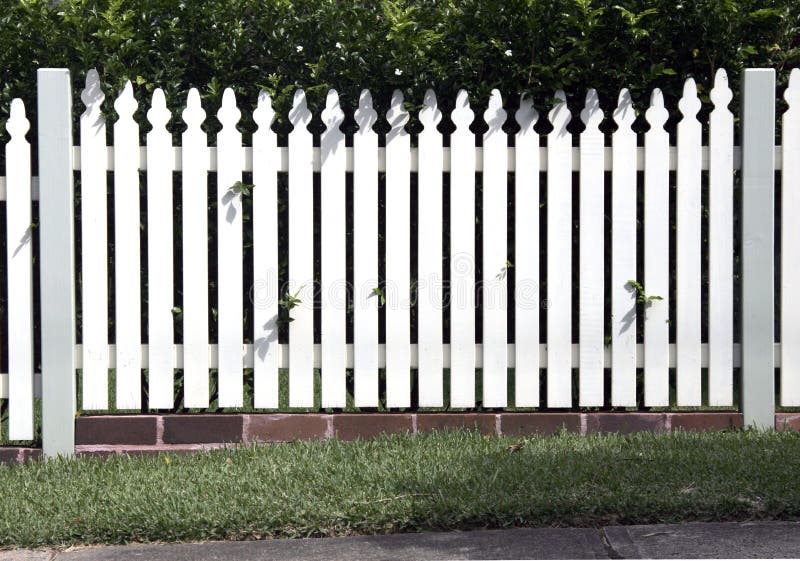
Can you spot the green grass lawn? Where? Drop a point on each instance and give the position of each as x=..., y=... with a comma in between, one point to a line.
x=402, y=483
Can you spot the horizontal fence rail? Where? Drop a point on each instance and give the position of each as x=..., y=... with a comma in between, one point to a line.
x=506, y=232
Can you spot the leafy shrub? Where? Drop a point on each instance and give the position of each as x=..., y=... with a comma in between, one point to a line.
x=536, y=46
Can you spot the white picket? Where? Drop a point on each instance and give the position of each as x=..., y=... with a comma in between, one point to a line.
x=333, y=159
x=20, y=275
x=159, y=256
x=429, y=256
x=790, y=246
x=526, y=257
x=94, y=244
x=365, y=254
x=265, y=256
x=688, y=270
x=720, y=245
x=656, y=254
x=195, y=163
x=333, y=246
x=495, y=255
x=128, y=321
x=230, y=161
x=398, y=256
x=623, y=256
x=301, y=255
x=462, y=256
x=559, y=256
x=592, y=226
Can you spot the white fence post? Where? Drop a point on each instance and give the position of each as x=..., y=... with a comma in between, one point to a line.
x=57, y=261
x=758, y=267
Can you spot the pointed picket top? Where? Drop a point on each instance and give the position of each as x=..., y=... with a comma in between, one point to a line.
x=495, y=116
x=228, y=114
x=430, y=116
x=92, y=96
x=193, y=115
x=559, y=115
x=526, y=116
x=462, y=116
x=624, y=114
x=689, y=104
x=264, y=114
x=158, y=115
x=17, y=124
x=332, y=116
x=792, y=93
x=721, y=94
x=592, y=115
x=656, y=114
x=125, y=105
x=299, y=115
x=365, y=115
x=397, y=116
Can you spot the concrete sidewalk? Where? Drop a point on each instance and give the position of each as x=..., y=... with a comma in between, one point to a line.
x=697, y=540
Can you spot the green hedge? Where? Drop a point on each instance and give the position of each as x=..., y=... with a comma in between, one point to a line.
x=515, y=45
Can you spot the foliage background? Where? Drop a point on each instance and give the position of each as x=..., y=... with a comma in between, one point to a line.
x=536, y=46
x=531, y=46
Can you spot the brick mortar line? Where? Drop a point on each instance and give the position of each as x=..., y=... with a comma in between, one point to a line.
x=246, y=429
x=159, y=430
x=123, y=448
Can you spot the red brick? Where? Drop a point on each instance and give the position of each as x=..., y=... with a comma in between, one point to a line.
x=518, y=424
x=202, y=429
x=116, y=429
x=285, y=428
x=787, y=421
x=9, y=455
x=625, y=423
x=370, y=425
x=31, y=454
x=484, y=422
x=704, y=421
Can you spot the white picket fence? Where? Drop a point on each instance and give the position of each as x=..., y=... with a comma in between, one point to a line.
x=494, y=356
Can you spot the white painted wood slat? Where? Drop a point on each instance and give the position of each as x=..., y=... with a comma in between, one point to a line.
x=301, y=255
x=495, y=256
x=656, y=254
x=229, y=254
x=333, y=247
x=462, y=256
x=127, y=295
x=790, y=246
x=265, y=256
x=559, y=256
x=429, y=256
x=592, y=225
x=720, y=250
x=526, y=257
x=283, y=160
x=195, y=254
x=623, y=256
x=94, y=247
x=159, y=256
x=365, y=254
x=688, y=271
x=20, y=276
x=398, y=256
x=283, y=357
